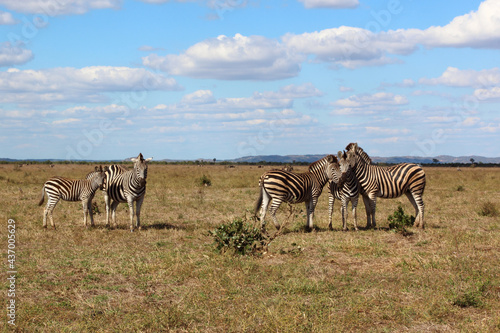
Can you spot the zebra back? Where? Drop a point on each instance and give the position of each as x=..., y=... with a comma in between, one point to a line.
x=73, y=189
x=387, y=182
x=298, y=187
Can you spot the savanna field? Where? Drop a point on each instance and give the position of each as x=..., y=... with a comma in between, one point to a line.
x=169, y=276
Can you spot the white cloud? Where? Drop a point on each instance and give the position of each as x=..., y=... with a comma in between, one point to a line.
x=59, y=7
x=368, y=104
x=470, y=121
x=14, y=54
x=350, y=47
x=466, y=78
x=330, y=3
x=65, y=121
x=77, y=84
x=7, y=18
x=386, y=131
x=231, y=58
x=477, y=29
x=490, y=94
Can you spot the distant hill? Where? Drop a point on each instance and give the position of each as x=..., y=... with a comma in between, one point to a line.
x=375, y=159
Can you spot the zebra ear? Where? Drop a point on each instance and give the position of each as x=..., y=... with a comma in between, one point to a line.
x=133, y=159
x=330, y=158
x=339, y=155
x=148, y=159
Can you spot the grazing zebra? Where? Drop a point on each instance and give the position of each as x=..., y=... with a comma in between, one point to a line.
x=126, y=186
x=388, y=182
x=278, y=186
x=345, y=192
x=71, y=190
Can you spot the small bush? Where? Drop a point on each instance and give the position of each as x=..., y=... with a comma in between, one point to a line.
x=468, y=299
x=460, y=188
x=239, y=236
x=488, y=208
x=399, y=220
x=204, y=181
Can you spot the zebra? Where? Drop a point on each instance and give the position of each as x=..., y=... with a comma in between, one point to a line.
x=388, y=182
x=278, y=186
x=116, y=166
x=345, y=192
x=126, y=186
x=71, y=190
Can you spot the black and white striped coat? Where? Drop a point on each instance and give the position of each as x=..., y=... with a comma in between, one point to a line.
x=278, y=186
x=126, y=186
x=67, y=189
x=388, y=182
x=346, y=191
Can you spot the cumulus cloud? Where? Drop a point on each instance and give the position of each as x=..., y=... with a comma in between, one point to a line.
x=477, y=29
x=59, y=7
x=7, y=18
x=231, y=58
x=14, y=54
x=77, y=84
x=350, y=47
x=330, y=3
x=455, y=77
x=367, y=104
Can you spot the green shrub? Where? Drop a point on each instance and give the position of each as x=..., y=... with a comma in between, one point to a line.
x=468, y=299
x=488, y=208
x=204, y=181
x=399, y=220
x=239, y=236
x=460, y=188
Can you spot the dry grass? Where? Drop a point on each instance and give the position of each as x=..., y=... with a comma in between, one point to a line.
x=167, y=277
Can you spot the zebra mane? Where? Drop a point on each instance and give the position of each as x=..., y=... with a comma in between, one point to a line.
x=321, y=163
x=360, y=152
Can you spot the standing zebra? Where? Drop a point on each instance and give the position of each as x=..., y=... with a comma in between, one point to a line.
x=278, y=186
x=388, y=182
x=126, y=186
x=71, y=190
x=346, y=191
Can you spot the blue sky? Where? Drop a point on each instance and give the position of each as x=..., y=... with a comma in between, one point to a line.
x=107, y=79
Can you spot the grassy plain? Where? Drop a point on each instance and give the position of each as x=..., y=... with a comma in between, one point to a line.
x=168, y=277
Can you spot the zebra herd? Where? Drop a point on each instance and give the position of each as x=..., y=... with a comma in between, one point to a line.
x=348, y=175
x=118, y=184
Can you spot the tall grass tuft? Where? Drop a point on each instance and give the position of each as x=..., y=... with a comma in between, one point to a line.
x=488, y=208
x=238, y=236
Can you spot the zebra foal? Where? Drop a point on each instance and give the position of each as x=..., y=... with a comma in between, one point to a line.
x=71, y=190
x=346, y=191
x=278, y=186
x=388, y=182
x=128, y=186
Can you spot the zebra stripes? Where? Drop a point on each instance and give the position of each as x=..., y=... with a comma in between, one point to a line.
x=126, y=186
x=388, y=182
x=278, y=186
x=347, y=191
x=71, y=190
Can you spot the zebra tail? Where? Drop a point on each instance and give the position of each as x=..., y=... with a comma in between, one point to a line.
x=259, y=201
x=43, y=196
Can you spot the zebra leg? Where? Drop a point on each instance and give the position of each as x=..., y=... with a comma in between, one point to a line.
x=310, y=206
x=91, y=213
x=106, y=202
x=263, y=209
x=114, y=204
x=275, y=204
x=354, y=202
x=131, y=211
x=331, y=201
x=138, y=206
x=343, y=212
x=418, y=204
x=368, y=210
x=85, y=205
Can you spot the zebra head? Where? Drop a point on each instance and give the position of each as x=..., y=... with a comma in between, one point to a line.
x=347, y=161
x=333, y=169
x=99, y=177
x=359, y=153
x=141, y=168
